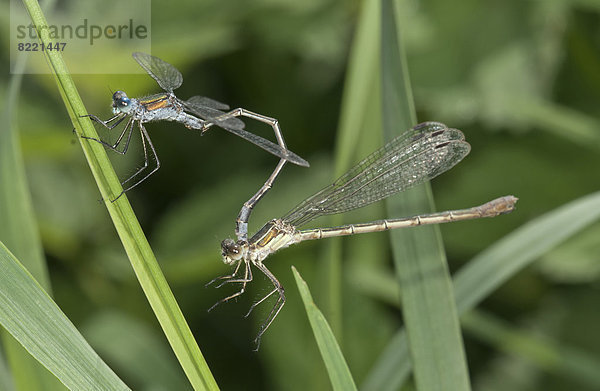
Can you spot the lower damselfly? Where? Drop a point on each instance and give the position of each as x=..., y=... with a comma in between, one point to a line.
x=418, y=155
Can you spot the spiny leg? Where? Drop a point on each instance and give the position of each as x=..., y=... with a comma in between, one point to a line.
x=244, y=281
x=114, y=147
x=106, y=123
x=227, y=277
x=241, y=228
x=254, y=305
x=145, y=139
x=278, y=304
x=127, y=129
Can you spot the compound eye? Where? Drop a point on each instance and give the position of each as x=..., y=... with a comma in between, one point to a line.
x=121, y=99
x=231, y=250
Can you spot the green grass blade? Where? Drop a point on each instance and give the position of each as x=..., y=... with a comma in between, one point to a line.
x=6, y=382
x=435, y=340
x=547, y=354
x=361, y=76
x=360, y=79
x=339, y=374
x=392, y=367
x=20, y=231
x=134, y=241
x=33, y=319
x=136, y=349
x=488, y=270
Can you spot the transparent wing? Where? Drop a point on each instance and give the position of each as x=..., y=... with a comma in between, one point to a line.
x=165, y=74
x=418, y=155
x=209, y=110
x=269, y=146
x=208, y=102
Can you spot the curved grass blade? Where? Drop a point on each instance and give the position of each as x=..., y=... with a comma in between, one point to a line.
x=20, y=232
x=548, y=354
x=6, y=382
x=360, y=78
x=33, y=319
x=134, y=348
x=339, y=374
x=429, y=311
x=487, y=271
x=136, y=245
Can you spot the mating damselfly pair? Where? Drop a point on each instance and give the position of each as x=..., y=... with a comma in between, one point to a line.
x=418, y=155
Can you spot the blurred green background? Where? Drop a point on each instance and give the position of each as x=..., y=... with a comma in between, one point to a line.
x=520, y=78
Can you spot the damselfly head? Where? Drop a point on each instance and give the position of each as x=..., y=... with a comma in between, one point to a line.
x=121, y=102
x=231, y=251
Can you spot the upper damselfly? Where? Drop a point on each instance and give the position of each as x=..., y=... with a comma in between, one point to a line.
x=198, y=112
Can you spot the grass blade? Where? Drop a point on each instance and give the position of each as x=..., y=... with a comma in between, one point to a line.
x=6, y=382
x=338, y=371
x=33, y=319
x=20, y=231
x=435, y=340
x=134, y=241
x=358, y=86
x=136, y=349
x=545, y=353
x=487, y=271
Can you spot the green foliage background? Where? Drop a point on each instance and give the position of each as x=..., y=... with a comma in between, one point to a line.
x=520, y=78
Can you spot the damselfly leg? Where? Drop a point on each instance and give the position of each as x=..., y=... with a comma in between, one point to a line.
x=276, y=308
x=107, y=124
x=145, y=139
x=127, y=130
x=231, y=279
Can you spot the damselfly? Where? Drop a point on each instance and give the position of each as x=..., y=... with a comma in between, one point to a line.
x=414, y=157
x=198, y=112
